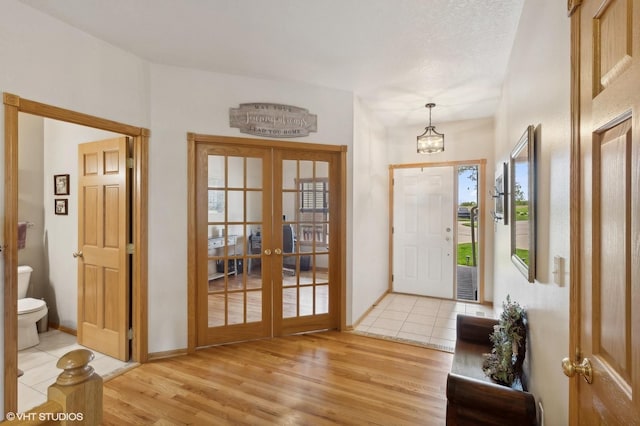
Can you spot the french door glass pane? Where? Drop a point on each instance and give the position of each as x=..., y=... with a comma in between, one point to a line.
x=234, y=219
x=254, y=173
x=305, y=258
x=254, y=206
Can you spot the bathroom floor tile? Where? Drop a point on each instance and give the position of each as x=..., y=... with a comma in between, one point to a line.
x=31, y=358
x=39, y=366
x=37, y=374
x=29, y=397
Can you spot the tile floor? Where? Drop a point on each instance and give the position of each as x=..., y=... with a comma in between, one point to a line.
x=40, y=371
x=421, y=319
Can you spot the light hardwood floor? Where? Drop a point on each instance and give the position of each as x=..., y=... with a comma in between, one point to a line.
x=311, y=379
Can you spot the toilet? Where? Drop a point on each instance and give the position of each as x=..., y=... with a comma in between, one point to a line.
x=30, y=311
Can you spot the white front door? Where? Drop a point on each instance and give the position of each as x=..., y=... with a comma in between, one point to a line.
x=423, y=243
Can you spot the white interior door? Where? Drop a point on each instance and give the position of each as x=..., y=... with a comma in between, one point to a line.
x=423, y=231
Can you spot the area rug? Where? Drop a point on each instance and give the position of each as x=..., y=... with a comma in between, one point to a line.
x=437, y=347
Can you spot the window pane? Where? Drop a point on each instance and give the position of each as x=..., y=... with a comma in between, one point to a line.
x=254, y=173
x=289, y=276
x=289, y=174
x=289, y=206
x=254, y=306
x=254, y=206
x=236, y=172
x=322, y=299
x=306, y=169
x=289, y=302
x=216, y=309
x=322, y=169
x=321, y=263
x=236, y=308
x=306, y=301
x=215, y=171
x=215, y=205
x=235, y=209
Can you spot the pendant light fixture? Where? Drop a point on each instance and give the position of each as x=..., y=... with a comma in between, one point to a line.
x=430, y=141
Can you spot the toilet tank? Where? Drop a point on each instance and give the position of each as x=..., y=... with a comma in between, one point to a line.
x=24, y=274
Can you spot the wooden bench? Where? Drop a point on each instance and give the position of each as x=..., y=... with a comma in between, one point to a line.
x=472, y=397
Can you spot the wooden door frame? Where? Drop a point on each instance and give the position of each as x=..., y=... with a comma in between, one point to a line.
x=13, y=105
x=482, y=165
x=575, y=200
x=192, y=140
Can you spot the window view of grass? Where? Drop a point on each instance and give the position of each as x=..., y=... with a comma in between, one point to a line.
x=522, y=211
x=464, y=250
x=524, y=255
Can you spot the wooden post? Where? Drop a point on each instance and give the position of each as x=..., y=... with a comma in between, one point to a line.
x=78, y=390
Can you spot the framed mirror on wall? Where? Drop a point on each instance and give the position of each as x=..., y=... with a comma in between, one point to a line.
x=523, y=204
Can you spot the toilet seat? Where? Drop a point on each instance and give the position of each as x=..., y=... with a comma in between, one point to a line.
x=29, y=304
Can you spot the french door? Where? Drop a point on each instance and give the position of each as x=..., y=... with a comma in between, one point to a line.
x=267, y=248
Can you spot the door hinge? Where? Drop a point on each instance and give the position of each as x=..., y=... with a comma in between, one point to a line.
x=130, y=248
x=391, y=277
x=130, y=163
x=130, y=334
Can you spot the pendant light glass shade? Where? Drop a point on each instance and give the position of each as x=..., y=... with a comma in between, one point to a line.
x=430, y=141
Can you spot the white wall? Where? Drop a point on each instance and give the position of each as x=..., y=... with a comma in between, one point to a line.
x=185, y=100
x=464, y=140
x=536, y=91
x=50, y=62
x=370, y=214
x=30, y=193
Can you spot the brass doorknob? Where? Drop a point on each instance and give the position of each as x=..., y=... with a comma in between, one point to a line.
x=267, y=252
x=583, y=369
x=278, y=251
x=78, y=254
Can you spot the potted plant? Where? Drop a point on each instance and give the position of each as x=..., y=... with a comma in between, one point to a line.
x=504, y=363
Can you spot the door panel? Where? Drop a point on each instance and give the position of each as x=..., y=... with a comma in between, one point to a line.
x=608, y=284
x=423, y=231
x=306, y=283
x=234, y=286
x=263, y=217
x=103, y=262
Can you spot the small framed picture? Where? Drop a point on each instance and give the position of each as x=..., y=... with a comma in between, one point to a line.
x=61, y=206
x=61, y=184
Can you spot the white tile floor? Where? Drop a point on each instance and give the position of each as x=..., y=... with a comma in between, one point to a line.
x=421, y=319
x=39, y=366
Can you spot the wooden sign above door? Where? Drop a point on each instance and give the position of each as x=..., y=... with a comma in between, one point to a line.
x=273, y=120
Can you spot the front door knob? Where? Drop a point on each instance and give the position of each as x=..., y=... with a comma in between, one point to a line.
x=583, y=369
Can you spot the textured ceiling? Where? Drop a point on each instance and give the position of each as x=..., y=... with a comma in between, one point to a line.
x=396, y=55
